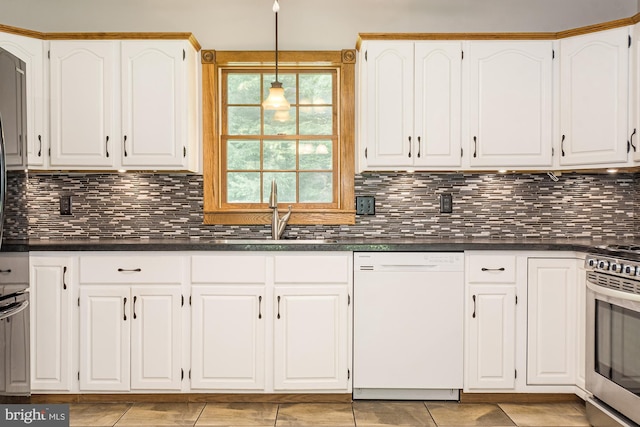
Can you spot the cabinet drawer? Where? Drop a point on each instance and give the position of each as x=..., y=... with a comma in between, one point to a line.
x=491, y=269
x=228, y=269
x=14, y=268
x=131, y=269
x=312, y=269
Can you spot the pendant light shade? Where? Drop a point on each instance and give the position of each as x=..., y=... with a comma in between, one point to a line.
x=276, y=100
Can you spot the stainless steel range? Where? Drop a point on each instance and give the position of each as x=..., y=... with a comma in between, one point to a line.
x=613, y=336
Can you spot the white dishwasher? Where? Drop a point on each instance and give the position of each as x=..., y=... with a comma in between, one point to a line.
x=408, y=325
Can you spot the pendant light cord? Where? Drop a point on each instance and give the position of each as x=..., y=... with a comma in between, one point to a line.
x=276, y=46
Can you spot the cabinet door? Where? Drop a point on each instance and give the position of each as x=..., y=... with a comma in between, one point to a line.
x=510, y=103
x=153, y=104
x=552, y=321
x=50, y=310
x=30, y=51
x=105, y=319
x=594, y=98
x=634, y=102
x=83, y=99
x=491, y=337
x=156, y=339
x=228, y=337
x=13, y=107
x=437, y=106
x=310, y=338
x=389, y=104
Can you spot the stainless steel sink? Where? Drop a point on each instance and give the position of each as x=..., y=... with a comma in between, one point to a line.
x=269, y=241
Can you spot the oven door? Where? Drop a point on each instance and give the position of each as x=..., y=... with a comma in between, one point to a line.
x=613, y=349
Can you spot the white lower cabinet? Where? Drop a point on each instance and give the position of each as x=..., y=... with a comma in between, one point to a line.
x=493, y=283
x=271, y=323
x=524, y=322
x=228, y=337
x=104, y=338
x=310, y=338
x=552, y=321
x=51, y=295
x=492, y=337
x=130, y=338
x=131, y=323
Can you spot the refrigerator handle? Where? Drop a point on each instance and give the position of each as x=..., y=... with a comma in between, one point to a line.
x=3, y=179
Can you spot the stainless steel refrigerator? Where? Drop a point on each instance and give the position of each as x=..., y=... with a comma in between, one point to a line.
x=14, y=256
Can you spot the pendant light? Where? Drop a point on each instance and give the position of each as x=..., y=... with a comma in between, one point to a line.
x=276, y=100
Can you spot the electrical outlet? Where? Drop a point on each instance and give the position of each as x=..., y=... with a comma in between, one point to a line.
x=365, y=205
x=65, y=205
x=446, y=203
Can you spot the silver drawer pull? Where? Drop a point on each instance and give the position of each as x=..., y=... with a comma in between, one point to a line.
x=493, y=269
x=134, y=270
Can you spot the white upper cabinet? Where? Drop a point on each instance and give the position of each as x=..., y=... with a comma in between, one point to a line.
x=634, y=104
x=30, y=51
x=594, y=86
x=389, y=105
x=437, y=104
x=155, y=104
x=123, y=104
x=83, y=81
x=410, y=105
x=510, y=99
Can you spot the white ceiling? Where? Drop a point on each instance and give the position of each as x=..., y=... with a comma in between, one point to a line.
x=307, y=24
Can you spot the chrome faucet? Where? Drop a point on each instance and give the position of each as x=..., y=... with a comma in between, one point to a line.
x=277, y=224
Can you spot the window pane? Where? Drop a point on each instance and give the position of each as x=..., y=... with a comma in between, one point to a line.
x=243, y=88
x=316, y=120
x=316, y=155
x=316, y=187
x=279, y=155
x=286, y=183
x=243, y=187
x=243, y=120
x=243, y=155
x=316, y=89
x=280, y=122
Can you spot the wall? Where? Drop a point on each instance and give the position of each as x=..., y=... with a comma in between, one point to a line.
x=485, y=205
x=307, y=24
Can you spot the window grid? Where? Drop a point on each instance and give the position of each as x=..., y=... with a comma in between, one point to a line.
x=262, y=138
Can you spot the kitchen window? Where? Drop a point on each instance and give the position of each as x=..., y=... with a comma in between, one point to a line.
x=309, y=150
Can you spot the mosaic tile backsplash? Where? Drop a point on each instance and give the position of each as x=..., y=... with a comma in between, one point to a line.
x=407, y=205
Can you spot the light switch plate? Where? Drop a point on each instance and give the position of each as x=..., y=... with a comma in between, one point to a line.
x=65, y=205
x=446, y=203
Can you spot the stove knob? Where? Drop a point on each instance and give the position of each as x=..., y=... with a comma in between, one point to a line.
x=603, y=265
x=592, y=262
x=629, y=270
x=615, y=267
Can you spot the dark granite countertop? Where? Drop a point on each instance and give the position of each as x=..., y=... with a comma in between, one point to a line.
x=371, y=244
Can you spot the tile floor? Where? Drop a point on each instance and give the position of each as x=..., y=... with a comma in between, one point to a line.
x=359, y=413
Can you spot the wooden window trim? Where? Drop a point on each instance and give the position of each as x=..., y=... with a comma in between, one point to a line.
x=214, y=212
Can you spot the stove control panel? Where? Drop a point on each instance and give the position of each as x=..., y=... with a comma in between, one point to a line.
x=614, y=266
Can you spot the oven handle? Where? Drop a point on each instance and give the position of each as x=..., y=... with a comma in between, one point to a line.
x=14, y=309
x=612, y=292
